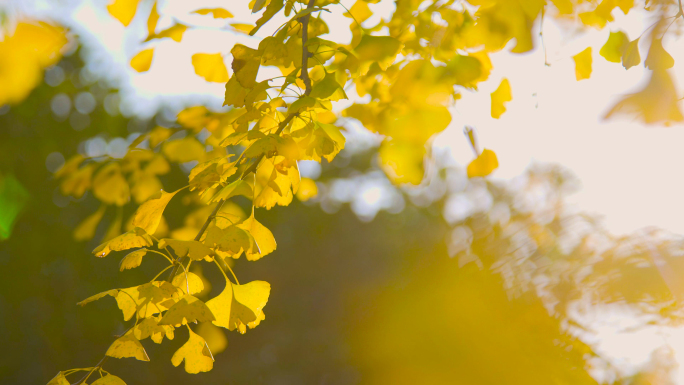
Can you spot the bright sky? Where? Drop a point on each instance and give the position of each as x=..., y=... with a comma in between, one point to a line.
x=628, y=171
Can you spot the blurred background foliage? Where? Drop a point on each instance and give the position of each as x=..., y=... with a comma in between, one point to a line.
x=457, y=281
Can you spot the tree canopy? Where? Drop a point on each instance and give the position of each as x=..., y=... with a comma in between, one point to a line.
x=288, y=93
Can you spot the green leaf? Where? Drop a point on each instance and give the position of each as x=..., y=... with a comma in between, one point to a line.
x=13, y=198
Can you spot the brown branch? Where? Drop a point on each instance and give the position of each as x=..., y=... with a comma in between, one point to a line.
x=305, y=49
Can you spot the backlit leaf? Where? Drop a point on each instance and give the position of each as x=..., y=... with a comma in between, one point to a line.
x=615, y=47
x=271, y=10
x=483, y=165
x=149, y=214
x=359, y=11
x=194, y=250
x=129, y=240
x=583, y=61
x=238, y=187
x=149, y=327
x=132, y=259
x=658, y=58
x=142, y=61
x=110, y=186
x=152, y=20
x=500, y=97
x=97, y=296
x=245, y=65
x=214, y=336
x=109, y=380
x=307, y=190
x=123, y=10
x=380, y=49
x=210, y=67
x=631, y=56
x=86, y=229
x=127, y=346
x=217, y=13
x=175, y=32
x=195, y=353
x=240, y=306
x=265, y=242
x=183, y=150
x=59, y=379
x=658, y=102
x=189, y=280
x=188, y=309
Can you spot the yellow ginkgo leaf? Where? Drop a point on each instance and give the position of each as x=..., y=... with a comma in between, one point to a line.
x=149, y=327
x=239, y=306
x=127, y=346
x=149, y=214
x=132, y=259
x=380, y=49
x=631, y=56
x=210, y=66
x=128, y=240
x=583, y=61
x=264, y=240
x=241, y=27
x=402, y=161
x=175, y=32
x=183, y=150
x=658, y=58
x=110, y=186
x=614, y=47
x=123, y=10
x=109, y=380
x=189, y=281
x=658, y=102
x=214, y=336
x=142, y=61
x=501, y=96
x=246, y=62
x=188, y=309
x=238, y=187
x=59, y=379
x=229, y=241
x=24, y=52
x=152, y=20
x=483, y=165
x=217, y=13
x=86, y=229
x=97, y=296
x=307, y=189
x=195, y=250
x=196, y=354
x=359, y=11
